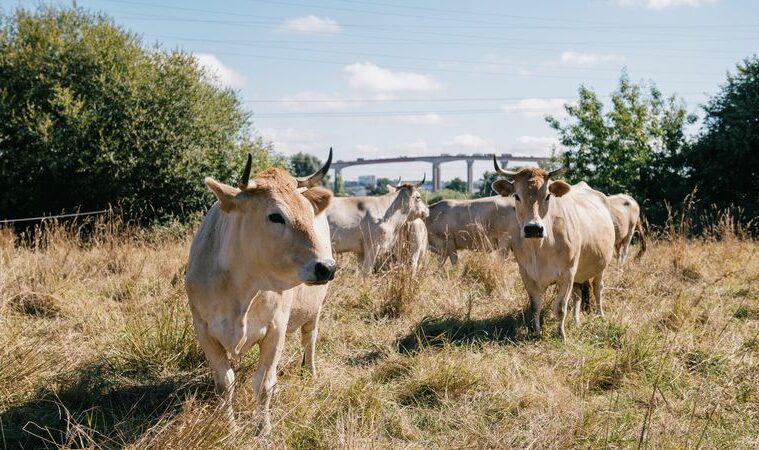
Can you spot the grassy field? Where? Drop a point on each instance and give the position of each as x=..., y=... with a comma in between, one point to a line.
x=98, y=351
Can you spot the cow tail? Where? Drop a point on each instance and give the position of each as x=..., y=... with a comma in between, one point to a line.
x=639, y=227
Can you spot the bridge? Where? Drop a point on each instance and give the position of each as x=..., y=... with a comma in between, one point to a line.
x=436, y=161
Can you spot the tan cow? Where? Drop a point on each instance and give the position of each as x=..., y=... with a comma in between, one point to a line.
x=625, y=212
x=307, y=305
x=566, y=237
x=257, y=243
x=370, y=226
x=412, y=244
x=483, y=224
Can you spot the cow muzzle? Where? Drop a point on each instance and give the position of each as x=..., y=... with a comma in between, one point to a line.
x=323, y=272
x=533, y=231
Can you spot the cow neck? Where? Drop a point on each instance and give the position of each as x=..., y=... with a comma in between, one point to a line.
x=394, y=216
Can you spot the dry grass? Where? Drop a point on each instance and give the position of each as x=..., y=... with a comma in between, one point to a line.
x=98, y=351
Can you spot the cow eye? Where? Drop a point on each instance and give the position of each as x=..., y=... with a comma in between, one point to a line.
x=276, y=218
x=516, y=197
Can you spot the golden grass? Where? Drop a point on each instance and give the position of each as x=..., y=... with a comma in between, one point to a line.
x=98, y=351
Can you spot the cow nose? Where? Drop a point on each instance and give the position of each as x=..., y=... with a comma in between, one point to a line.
x=533, y=230
x=325, y=271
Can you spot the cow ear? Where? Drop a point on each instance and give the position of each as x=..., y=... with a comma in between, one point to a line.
x=559, y=188
x=319, y=198
x=503, y=187
x=226, y=194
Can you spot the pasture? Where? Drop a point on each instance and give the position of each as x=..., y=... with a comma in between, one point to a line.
x=98, y=351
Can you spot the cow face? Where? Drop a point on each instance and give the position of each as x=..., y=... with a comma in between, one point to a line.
x=276, y=231
x=532, y=190
x=411, y=199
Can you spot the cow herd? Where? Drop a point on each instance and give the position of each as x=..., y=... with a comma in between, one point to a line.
x=261, y=261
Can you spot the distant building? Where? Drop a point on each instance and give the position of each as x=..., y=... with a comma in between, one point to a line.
x=367, y=180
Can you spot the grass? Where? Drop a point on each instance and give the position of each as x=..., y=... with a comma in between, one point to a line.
x=99, y=351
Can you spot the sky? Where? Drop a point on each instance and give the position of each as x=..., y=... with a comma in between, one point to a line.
x=391, y=78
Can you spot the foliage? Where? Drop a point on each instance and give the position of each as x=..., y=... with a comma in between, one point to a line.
x=724, y=162
x=89, y=116
x=457, y=184
x=436, y=196
x=304, y=164
x=636, y=147
x=380, y=188
x=486, y=182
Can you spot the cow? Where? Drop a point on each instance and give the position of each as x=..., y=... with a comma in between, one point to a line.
x=255, y=244
x=307, y=305
x=483, y=224
x=412, y=244
x=370, y=226
x=566, y=236
x=625, y=212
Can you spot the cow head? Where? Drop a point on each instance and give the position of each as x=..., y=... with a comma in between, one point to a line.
x=411, y=199
x=275, y=229
x=532, y=189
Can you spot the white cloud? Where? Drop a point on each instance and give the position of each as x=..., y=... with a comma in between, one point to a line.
x=572, y=58
x=220, y=74
x=310, y=24
x=370, y=77
x=317, y=101
x=498, y=64
x=662, y=4
x=537, y=107
x=291, y=140
x=534, y=145
x=422, y=119
x=367, y=150
x=470, y=140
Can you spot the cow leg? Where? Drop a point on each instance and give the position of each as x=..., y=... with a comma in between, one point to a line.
x=562, y=301
x=625, y=247
x=598, y=287
x=308, y=334
x=223, y=375
x=577, y=297
x=265, y=377
x=536, y=301
x=367, y=264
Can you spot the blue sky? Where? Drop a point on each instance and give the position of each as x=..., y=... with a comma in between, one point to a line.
x=391, y=77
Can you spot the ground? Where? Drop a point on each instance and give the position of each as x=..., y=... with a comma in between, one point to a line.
x=98, y=351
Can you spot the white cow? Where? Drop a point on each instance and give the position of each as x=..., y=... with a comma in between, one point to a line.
x=483, y=224
x=257, y=243
x=566, y=237
x=370, y=226
x=625, y=212
x=412, y=244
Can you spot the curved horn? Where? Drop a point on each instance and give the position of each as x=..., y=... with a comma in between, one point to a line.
x=243, y=184
x=506, y=173
x=421, y=183
x=397, y=184
x=317, y=176
x=557, y=172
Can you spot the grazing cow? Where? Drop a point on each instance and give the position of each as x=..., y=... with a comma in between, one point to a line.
x=625, y=212
x=483, y=224
x=370, y=226
x=566, y=236
x=307, y=305
x=257, y=243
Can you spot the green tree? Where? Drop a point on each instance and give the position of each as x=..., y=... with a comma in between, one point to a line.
x=380, y=188
x=304, y=164
x=91, y=117
x=457, y=184
x=628, y=148
x=486, y=183
x=724, y=161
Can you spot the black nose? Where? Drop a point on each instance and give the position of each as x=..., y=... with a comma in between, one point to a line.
x=324, y=272
x=533, y=231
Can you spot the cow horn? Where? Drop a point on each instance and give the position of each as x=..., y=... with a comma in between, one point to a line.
x=506, y=173
x=397, y=184
x=246, y=173
x=557, y=172
x=317, y=176
x=421, y=183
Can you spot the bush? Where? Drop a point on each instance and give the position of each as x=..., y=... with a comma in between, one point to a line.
x=89, y=116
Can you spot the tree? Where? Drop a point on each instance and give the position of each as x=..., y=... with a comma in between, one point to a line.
x=724, y=161
x=304, y=164
x=457, y=184
x=380, y=188
x=632, y=147
x=90, y=117
x=486, y=182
